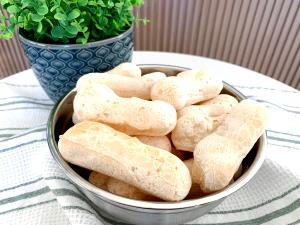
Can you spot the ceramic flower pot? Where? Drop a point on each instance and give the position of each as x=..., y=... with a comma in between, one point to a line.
x=58, y=67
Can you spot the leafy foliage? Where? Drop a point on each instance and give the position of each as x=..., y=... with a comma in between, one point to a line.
x=67, y=21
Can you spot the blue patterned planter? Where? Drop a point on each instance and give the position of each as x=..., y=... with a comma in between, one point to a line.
x=58, y=67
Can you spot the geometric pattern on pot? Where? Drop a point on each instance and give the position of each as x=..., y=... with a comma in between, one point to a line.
x=58, y=67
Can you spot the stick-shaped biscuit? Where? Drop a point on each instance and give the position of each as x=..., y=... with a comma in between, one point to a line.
x=197, y=121
x=118, y=187
x=209, y=86
x=161, y=142
x=218, y=156
x=121, y=188
x=195, y=191
x=123, y=86
x=99, y=180
x=127, y=69
x=186, y=88
x=132, y=116
x=98, y=147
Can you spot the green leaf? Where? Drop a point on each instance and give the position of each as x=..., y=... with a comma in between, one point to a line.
x=110, y=4
x=49, y=21
x=73, y=14
x=53, y=8
x=68, y=35
x=6, y=35
x=86, y=35
x=3, y=2
x=12, y=19
x=60, y=16
x=101, y=3
x=98, y=26
x=119, y=7
x=93, y=3
x=20, y=20
x=12, y=9
x=82, y=2
x=11, y=28
x=146, y=21
x=93, y=10
x=63, y=23
x=36, y=17
x=119, y=4
x=42, y=10
x=57, y=32
x=103, y=21
x=2, y=26
x=137, y=2
x=116, y=24
x=27, y=3
x=72, y=30
x=40, y=27
x=85, y=29
x=81, y=40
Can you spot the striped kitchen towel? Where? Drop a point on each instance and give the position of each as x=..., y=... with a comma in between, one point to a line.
x=33, y=189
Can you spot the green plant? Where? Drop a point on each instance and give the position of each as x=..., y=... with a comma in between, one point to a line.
x=67, y=21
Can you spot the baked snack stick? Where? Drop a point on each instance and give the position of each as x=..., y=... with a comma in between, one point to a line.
x=161, y=142
x=187, y=88
x=122, y=85
x=218, y=156
x=197, y=121
x=98, y=147
x=118, y=187
x=133, y=116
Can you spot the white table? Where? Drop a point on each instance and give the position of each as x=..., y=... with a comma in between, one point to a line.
x=28, y=196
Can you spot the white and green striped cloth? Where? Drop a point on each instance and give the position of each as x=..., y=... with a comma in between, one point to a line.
x=33, y=190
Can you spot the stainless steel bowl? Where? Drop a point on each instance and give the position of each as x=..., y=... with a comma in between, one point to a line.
x=143, y=212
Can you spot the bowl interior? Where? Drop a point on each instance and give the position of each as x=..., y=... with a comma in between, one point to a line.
x=61, y=119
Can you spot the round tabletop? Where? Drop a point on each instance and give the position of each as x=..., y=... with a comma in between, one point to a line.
x=32, y=185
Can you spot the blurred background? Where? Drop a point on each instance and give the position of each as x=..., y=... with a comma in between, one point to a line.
x=262, y=35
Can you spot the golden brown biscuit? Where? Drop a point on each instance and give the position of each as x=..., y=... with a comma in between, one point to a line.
x=132, y=116
x=197, y=121
x=161, y=142
x=99, y=180
x=186, y=88
x=100, y=148
x=127, y=69
x=218, y=156
x=122, y=85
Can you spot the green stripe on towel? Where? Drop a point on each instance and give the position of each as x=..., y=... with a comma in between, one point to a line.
x=264, y=88
x=68, y=192
x=19, y=108
x=259, y=205
x=35, y=130
x=25, y=195
x=23, y=144
x=25, y=97
x=283, y=139
x=27, y=207
x=25, y=102
x=263, y=219
x=277, y=132
x=21, y=185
